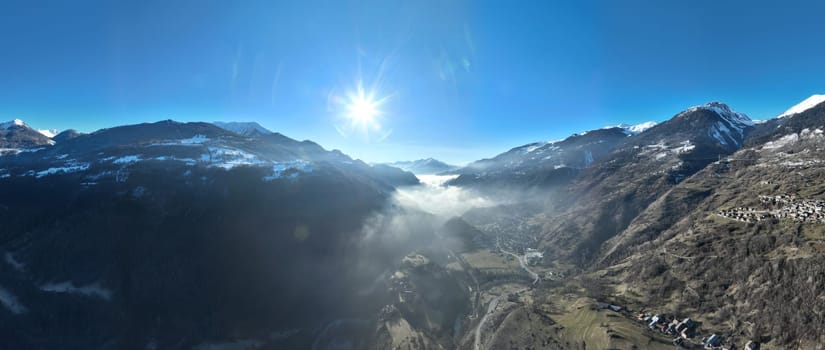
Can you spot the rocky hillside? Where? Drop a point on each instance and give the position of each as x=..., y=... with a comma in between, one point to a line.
x=741, y=244
x=605, y=198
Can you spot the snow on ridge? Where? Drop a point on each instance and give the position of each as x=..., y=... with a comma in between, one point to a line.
x=805, y=105
x=641, y=127
x=127, y=159
x=90, y=290
x=631, y=130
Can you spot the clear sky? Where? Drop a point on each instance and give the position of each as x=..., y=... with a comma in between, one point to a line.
x=457, y=80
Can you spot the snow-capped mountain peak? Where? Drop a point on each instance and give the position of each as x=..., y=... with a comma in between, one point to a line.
x=20, y=123
x=805, y=105
x=735, y=118
x=16, y=122
x=729, y=129
x=243, y=128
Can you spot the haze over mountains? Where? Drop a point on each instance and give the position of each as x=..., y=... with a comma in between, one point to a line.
x=198, y=235
x=427, y=166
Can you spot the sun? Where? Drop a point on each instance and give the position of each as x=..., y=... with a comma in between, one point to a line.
x=360, y=113
x=362, y=109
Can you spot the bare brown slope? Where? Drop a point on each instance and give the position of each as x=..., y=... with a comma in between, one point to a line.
x=760, y=279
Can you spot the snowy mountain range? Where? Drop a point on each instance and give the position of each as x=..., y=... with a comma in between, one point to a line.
x=175, y=235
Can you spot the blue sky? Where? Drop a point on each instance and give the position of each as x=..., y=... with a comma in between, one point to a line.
x=461, y=80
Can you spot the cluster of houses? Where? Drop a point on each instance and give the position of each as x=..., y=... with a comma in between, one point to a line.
x=781, y=207
x=683, y=329
x=812, y=210
x=745, y=214
x=686, y=330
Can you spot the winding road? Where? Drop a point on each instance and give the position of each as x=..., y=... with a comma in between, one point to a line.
x=523, y=261
x=494, y=303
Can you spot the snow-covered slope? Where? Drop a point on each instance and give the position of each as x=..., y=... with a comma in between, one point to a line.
x=50, y=133
x=244, y=128
x=805, y=105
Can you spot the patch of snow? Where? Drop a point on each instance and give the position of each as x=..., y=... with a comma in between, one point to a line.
x=10, y=302
x=805, y=105
x=631, y=130
x=781, y=142
x=532, y=147
x=296, y=167
x=62, y=170
x=188, y=161
x=718, y=132
x=127, y=159
x=639, y=128
x=196, y=140
x=9, y=151
x=91, y=290
x=229, y=158
x=48, y=133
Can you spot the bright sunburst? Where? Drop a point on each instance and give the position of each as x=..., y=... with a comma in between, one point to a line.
x=362, y=114
x=363, y=109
